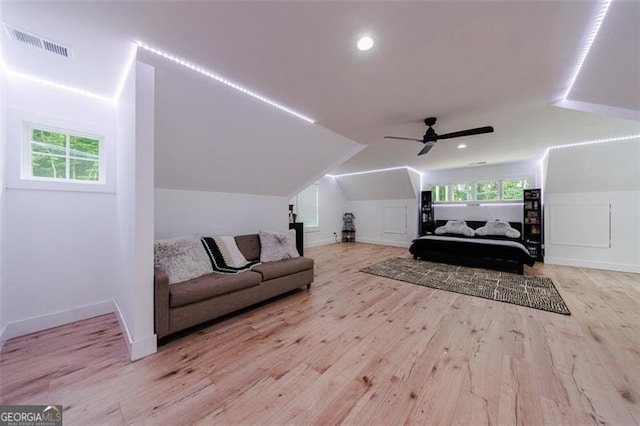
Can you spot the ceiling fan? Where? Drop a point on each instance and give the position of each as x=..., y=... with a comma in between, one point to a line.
x=431, y=137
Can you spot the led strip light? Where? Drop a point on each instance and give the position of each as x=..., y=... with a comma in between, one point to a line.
x=220, y=79
x=602, y=12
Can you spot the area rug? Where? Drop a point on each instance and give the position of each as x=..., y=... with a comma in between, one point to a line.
x=533, y=292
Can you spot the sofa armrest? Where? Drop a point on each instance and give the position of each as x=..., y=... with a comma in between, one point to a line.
x=161, y=295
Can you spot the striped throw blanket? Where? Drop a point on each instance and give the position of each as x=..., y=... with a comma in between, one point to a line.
x=225, y=256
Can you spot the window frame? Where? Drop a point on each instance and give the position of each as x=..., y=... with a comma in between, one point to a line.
x=526, y=186
x=471, y=192
x=529, y=181
x=26, y=169
x=499, y=189
x=316, y=227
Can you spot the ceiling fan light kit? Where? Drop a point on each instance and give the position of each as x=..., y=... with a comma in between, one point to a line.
x=431, y=137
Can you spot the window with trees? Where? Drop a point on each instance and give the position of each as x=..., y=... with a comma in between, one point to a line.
x=439, y=193
x=60, y=155
x=493, y=190
x=487, y=191
x=513, y=189
x=461, y=192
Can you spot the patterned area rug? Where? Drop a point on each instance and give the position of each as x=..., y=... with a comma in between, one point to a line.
x=534, y=292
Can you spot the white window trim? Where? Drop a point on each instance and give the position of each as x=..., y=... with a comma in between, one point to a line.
x=449, y=191
x=310, y=229
x=15, y=158
x=26, y=171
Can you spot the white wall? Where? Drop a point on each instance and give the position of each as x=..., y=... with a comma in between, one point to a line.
x=593, y=177
x=370, y=221
x=392, y=184
x=180, y=212
x=59, y=246
x=504, y=211
x=508, y=212
x=2, y=208
x=134, y=287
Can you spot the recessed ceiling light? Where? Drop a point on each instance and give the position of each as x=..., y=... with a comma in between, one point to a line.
x=365, y=43
x=462, y=146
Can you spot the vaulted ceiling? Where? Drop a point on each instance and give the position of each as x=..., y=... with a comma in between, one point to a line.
x=470, y=64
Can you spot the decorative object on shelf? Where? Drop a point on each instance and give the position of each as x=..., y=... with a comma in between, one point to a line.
x=292, y=215
x=533, y=224
x=427, y=224
x=348, y=228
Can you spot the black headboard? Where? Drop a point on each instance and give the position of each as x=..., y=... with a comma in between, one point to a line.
x=474, y=224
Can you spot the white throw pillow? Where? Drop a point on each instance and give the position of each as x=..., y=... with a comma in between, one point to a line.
x=278, y=245
x=498, y=227
x=230, y=252
x=181, y=258
x=455, y=227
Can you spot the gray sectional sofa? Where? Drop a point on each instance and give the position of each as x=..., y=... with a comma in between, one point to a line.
x=182, y=305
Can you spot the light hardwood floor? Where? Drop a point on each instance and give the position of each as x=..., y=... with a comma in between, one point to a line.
x=356, y=349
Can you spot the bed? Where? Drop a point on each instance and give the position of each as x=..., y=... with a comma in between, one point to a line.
x=496, y=252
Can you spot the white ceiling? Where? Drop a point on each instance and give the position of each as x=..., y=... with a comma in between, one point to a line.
x=471, y=64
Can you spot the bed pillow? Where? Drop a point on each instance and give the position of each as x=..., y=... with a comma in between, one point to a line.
x=455, y=227
x=276, y=246
x=498, y=227
x=181, y=258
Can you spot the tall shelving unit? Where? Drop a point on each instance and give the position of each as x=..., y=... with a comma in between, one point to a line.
x=427, y=221
x=532, y=222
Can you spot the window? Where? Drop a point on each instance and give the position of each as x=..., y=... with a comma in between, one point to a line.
x=486, y=191
x=491, y=190
x=308, y=207
x=461, y=192
x=513, y=189
x=439, y=193
x=60, y=155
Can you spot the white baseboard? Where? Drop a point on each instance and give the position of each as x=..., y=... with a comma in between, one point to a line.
x=55, y=319
x=620, y=267
x=404, y=244
x=137, y=348
x=320, y=243
x=2, y=338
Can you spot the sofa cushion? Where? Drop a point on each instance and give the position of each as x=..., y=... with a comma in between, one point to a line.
x=249, y=246
x=181, y=258
x=277, y=246
x=210, y=285
x=271, y=270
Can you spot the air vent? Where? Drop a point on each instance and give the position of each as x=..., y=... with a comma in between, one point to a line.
x=38, y=42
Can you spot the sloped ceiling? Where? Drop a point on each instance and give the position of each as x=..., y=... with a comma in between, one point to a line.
x=387, y=185
x=611, y=74
x=210, y=137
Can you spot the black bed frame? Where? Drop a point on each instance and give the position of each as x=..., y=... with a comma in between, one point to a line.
x=484, y=262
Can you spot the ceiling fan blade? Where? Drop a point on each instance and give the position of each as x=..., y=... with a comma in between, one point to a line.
x=404, y=139
x=427, y=147
x=470, y=132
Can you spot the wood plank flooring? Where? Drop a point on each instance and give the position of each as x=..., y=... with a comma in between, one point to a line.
x=356, y=349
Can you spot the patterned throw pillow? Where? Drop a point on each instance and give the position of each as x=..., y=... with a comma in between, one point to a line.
x=181, y=258
x=455, y=227
x=278, y=245
x=498, y=227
